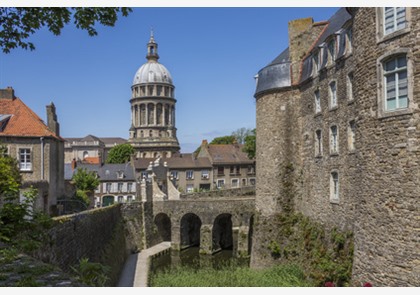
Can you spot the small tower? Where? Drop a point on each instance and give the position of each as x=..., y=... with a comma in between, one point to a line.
x=153, y=132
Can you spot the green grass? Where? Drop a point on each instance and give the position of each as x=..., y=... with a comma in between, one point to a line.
x=231, y=276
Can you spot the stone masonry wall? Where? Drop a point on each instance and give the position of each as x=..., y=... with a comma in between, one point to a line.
x=95, y=234
x=386, y=221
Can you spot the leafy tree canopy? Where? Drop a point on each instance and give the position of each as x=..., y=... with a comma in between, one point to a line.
x=228, y=139
x=10, y=178
x=120, y=154
x=17, y=24
x=86, y=182
x=250, y=144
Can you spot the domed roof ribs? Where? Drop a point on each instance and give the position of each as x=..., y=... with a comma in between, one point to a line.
x=152, y=46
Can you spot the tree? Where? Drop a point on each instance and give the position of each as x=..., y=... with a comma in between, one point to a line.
x=120, y=154
x=86, y=182
x=10, y=178
x=17, y=24
x=241, y=133
x=250, y=144
x=228, y=139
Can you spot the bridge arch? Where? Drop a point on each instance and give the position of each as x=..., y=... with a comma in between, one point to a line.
x=222, y=234
x=163, y=224
x=190, y=230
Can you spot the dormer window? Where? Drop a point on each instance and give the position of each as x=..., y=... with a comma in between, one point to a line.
x=315, y=58
x=331, y=50
x=120, y=174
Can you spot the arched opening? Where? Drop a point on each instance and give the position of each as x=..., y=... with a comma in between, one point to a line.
x=85, y=154
x=107, y=200
x=163, y=224
x=222, y=238
x=190, y=231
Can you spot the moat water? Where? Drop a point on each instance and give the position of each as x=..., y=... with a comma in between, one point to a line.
x=191, y=258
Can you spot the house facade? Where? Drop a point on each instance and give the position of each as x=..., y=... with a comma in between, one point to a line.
x=37, y=146
x=338, y=112
x=117, y=182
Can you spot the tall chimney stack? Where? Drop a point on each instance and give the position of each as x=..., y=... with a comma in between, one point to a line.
x=52, y=122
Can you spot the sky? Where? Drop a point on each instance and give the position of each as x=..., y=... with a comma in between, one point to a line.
x=212, y=53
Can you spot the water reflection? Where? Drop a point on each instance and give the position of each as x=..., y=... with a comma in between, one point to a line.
x=191, y=258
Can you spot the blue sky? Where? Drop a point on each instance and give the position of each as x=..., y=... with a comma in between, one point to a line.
x=212, y=54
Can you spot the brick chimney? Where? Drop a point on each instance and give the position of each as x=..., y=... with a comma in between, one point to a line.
x=52, y=122
x=8, y=93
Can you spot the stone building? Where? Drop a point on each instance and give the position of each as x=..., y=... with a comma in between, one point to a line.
x=89, y=149
x=153, y=131
x=117, y=182
x=38, y=148
x=340, y=106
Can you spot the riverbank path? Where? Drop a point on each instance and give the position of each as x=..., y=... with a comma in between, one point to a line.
x=136, y=268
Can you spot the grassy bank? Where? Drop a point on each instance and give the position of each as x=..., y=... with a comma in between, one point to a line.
x=231, y=276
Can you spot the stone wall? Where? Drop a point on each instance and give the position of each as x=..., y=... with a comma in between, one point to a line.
x=223, y=193
x=97, y=234
x=379, y=180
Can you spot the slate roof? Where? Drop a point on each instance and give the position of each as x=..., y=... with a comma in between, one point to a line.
x=23, y=121
x=106, y=172
x=105, y=140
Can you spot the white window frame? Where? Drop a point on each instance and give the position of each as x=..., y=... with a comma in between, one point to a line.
x=205, y=174
x=120, y=186
x=334, y=187
x=349, y=40
x=333, y=94
x=317, y=97
x=174, y=174
x=108, y=187
x=381, y=33
x=396, y=73
x=392, y=13
x=120, y=199
x=25, y=165
x=189, y=188
x=129, y=187
x=332, y=50
x=237, y=182
x=189, y=174
x=334, y=139
x=219, y=181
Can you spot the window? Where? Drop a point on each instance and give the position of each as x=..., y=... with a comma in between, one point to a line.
x=232, y=170
x=317, y=102
x=120, y=174
x=334, y=187
x=120, y=199
x=349, y=35
x=144, y=175
x=331, y=50
x=251, y=169
x=174, y=174
x=25, y=163
x=318, y=143
x=333, y=94
x=120, y=186
x=235, y=183
x=350, y=86
x=189, y=174
x=108, y=187
x=243, y=181
x=220, y=183
x=351, y=135
x=129, y=199
x=238, y=170
x=205, y=174
x=334, y=140
x=252, y=181
x=190, y=188
x=315, y=59
x=394, y=19
x=129, y=187
x=395, y=83
x=220, y=170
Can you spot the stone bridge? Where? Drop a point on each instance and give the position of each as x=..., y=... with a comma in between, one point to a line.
x=212, y=223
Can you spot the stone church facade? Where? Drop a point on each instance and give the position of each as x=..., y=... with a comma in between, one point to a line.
x=341, y=106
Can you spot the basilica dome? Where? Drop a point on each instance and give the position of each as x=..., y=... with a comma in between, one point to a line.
x=152, y=72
